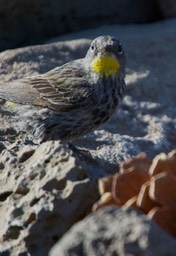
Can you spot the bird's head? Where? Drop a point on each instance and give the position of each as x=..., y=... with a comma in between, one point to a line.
x=106, y=56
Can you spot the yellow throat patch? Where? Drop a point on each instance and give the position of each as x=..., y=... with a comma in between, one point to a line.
x=10, y=105
x=105, y=66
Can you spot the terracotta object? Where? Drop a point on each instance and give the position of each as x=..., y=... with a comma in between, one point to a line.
x=141, y=162
x=165, y=217
x=162, y=162
x=128, y=184
x=106, y=200
x=105, y=184
x=147, y=185
x=144, y=202
x=163, y=189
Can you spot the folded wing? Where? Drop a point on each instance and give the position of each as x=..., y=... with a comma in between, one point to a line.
x=62, y=89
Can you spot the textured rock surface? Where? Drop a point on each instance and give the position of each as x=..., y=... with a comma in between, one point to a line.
x=32, y=21
x=42, y=189
x=114, y=231
x=45, y=189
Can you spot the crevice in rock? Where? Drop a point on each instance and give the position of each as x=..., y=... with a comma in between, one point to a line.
x=5, y=195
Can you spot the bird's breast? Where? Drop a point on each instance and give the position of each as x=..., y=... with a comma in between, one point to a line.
x=108, y=98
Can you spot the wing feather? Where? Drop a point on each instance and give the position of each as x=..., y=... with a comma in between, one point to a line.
x=64, y=88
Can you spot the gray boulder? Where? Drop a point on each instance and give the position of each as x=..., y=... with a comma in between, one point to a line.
x=47, y=188
x=114, y=231
x=44, y=191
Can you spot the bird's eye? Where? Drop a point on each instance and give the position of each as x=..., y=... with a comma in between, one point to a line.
x=120, y=49
x=92, y=47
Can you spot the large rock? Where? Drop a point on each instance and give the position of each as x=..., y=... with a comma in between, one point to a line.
x=44, y=191
x=30, y=22
x=114, y=231
x=146, y=119
x=46, y=188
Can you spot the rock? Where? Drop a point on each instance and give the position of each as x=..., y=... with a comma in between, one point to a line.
x=43, y=190
x=33, y=21
x=146, y=117
x=32, y=60
x=114, y=231
x=47, y=188
x=167, y=8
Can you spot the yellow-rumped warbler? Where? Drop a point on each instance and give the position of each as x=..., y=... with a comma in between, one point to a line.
x=70, y=101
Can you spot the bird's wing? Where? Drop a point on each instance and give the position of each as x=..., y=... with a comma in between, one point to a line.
x=62, y=89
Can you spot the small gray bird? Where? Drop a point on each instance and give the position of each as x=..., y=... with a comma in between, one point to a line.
x=70, y=101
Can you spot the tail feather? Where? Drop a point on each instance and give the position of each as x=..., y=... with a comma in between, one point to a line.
x=18, y=91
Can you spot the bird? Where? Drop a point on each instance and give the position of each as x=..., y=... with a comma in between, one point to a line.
x=72, y=100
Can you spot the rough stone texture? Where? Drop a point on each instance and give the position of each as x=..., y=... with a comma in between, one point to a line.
x=29, y=22
x=114, y=231
x=32, y=60
x=41, y=194
x=42, y=189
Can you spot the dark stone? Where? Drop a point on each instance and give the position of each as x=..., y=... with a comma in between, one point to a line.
x=167, y=8
x=31, y=22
